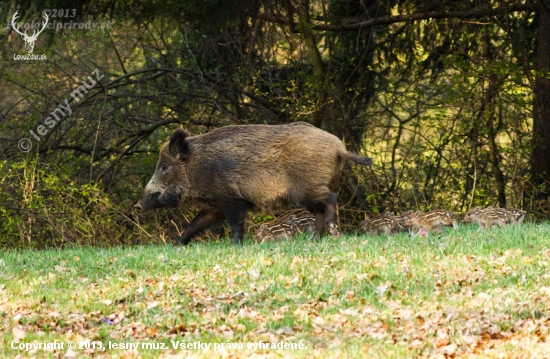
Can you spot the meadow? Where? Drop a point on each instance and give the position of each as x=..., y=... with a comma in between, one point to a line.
x=459, y=293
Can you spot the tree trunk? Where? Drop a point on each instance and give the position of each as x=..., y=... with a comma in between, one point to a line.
x=500, y=181
x=489, y=109
x=540, y=155
x=317, y=63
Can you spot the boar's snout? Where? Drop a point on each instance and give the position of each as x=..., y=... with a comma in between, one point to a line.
x=168, y=198
x=149, y=201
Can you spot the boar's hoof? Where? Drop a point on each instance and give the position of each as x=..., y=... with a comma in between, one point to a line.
x=315, y=237
x=182, y=241
x=332, y=229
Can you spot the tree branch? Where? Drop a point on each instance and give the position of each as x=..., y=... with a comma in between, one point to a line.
x=471, y=14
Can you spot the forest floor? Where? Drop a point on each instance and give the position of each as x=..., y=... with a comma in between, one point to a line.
x=459, y=293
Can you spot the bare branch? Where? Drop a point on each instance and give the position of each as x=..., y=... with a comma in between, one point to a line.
x=471, y=14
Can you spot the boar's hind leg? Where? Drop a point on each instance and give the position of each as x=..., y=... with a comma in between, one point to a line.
x=325, y=212
x=330, y=214
x=235, y=212
x=203, y=220
x=319, y=214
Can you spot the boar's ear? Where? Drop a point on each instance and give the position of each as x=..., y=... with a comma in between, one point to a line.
x=178, y=146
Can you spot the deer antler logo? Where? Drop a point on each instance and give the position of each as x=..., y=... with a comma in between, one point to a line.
x=29, y=39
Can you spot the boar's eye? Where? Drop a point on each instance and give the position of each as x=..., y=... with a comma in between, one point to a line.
x=163, y=168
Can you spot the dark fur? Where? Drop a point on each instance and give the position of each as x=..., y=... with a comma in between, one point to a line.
x=234, y=169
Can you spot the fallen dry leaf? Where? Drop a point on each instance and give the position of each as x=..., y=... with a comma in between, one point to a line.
x=449, y=349
x=253, y=273
x=18, y=333
x=71, y=354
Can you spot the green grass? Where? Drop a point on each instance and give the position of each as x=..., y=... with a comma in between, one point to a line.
x=462, y=293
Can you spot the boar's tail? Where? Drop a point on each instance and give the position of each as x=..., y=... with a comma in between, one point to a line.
x=363, y=161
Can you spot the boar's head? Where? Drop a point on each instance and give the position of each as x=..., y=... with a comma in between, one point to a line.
x=168, y=185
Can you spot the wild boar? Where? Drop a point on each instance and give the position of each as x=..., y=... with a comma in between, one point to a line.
x=285, y=227
x=514, y=215
x=403, y=218
x=488, y=217
x=381, y=223
x=234, y=169
x=275, y=231
x=303, y=223
x=431, y=220
x=517, y=215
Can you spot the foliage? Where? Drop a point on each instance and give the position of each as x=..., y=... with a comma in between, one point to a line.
x=444, y=106
x=47, y=208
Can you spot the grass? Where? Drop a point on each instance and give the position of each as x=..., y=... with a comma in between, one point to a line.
x=459, y=293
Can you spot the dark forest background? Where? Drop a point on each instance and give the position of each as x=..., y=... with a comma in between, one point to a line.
x=450, y=98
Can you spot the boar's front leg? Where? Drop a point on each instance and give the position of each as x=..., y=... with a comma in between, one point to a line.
x=203, y=220
x=235, y=212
